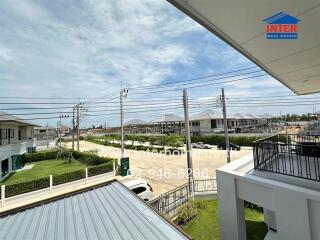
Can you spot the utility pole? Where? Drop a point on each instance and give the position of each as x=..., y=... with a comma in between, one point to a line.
x=73, y=127
x=188, y=138
x=123, y=93
x=78, y=129
x=47, y=135
x=59, y=131
x=121, y=124
x=60, y=124
x=225, y=123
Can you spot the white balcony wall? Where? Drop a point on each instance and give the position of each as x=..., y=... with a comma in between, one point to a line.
x=294, y=210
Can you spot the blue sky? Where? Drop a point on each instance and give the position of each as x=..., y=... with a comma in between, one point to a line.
x=84, y=48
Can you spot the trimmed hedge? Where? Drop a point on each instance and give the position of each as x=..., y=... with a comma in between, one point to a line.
x=153, y=140
x=90, y=159
x=103, y=168
x=83, y=157
x=39, y=156
x=68, y=177
x=241, y=140
x=238, y=140
x=101, y=165
x=133, y=147
x=25, y=187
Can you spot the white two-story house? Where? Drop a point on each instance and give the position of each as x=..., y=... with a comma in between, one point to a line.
x=16, y=138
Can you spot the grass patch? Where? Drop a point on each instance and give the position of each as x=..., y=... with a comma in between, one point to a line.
x=43, y=169
x=206, y=225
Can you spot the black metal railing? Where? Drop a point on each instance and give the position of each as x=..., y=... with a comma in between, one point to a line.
x=289, y=154
x=170, y=202
x=205, y=185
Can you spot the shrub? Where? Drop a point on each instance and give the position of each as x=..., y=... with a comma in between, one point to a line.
x=133, y=147
x=24, y=187
x=68, y=177
x=253, y=206
x=200, y=204
x=39, y=156
x=103, y=168
x=90, y=158
x=173, y=141
x=240, y=140
x=186, y=212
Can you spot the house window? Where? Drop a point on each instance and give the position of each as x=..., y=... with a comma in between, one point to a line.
x=19, y=135
x=139, y=190
x=4, y=134
x=11, y=133
x=4, y=167
x=213, y=123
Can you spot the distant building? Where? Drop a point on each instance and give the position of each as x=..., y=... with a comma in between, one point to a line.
x=205, y=123
x=211, y=122
x=64, y=130
x=16, y=138
x=167, y=124
x=42, y=132
x=136, y=126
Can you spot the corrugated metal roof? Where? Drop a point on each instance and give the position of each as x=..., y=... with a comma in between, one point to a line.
x=250, y=116
x=168, y=118
x=207, y=115
x=215, y=115
x=107, y=212
x=135, y=122
x=6, y=117
x=238, y=116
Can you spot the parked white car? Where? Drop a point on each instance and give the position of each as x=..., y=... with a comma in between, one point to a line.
x=140, y=187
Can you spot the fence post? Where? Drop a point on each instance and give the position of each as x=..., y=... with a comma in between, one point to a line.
x=86, y=175
x=114, y=169
x=51, y=183
x=160, y=203
x=3, y=195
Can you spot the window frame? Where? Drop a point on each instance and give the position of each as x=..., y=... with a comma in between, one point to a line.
x=140, y=187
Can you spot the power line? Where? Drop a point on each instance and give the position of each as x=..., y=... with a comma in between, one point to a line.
x=273, y=105
x=203, y=85
x=199, y=78
x=205, y=81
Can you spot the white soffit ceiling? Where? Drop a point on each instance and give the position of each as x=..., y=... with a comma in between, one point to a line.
x=296, y=63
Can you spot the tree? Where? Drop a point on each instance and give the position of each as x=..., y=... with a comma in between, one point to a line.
x=173, y=141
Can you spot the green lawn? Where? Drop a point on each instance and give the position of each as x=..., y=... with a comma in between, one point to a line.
x=206, y=226
x=43, y=169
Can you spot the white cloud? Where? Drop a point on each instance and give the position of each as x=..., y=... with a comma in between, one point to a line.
x=5, y=54
x=104, y=42
x=85, y=48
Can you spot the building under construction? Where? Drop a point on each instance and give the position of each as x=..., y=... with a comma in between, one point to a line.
x=205, y=123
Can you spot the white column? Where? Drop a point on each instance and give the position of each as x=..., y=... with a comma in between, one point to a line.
x=0, y=169
x=231, y=209
x=3, y=195
x=292, y=215
x=87, y=175
x=51, y=182
x=114, y=169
